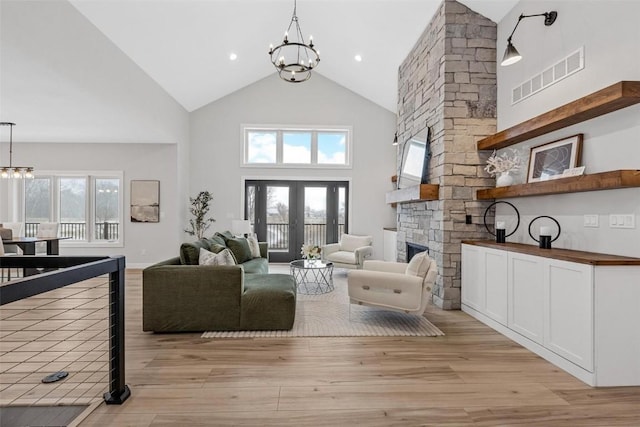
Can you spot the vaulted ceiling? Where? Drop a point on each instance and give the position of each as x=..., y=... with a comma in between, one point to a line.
x=185, y=45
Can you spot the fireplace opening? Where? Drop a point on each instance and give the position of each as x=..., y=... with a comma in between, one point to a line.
x=413, y=249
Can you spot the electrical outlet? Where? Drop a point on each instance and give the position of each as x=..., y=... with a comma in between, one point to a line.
x=591, y=221
x=622, y=221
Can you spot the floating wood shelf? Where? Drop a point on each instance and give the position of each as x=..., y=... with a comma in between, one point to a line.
x=574, y=184
x=612, y=98
x=415, y=193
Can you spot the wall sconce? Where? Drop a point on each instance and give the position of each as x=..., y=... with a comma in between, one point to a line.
x=511, y=54
x=395, y=139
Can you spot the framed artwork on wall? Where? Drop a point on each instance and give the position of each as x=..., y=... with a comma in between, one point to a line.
x=145, y=201
x=550, y=160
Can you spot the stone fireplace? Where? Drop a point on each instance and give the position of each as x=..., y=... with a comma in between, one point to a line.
x=448, y=82
x=413, y=249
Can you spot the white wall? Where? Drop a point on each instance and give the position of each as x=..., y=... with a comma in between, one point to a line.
x=144, y=243
x=610, y=35
x=80, y=103
x=216, y=146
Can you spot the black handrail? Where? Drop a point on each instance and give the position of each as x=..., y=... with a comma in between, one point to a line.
x=73, y=269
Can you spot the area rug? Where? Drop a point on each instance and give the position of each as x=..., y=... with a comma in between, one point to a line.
x=331, y=315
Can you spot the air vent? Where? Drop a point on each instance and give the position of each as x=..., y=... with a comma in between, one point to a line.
x=558, y=71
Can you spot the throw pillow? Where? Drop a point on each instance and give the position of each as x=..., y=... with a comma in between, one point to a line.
x=216, y=239
x=189, y=252
x=254, y=246
x=418, y=265
x=350, y=243
x=222, y=258
x=225, y=235
x=216, y=248
x=240, y=249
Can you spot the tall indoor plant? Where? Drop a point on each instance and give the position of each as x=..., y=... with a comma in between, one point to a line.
x=199, y=209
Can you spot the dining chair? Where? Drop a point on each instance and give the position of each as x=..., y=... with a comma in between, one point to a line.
x=4, y=271
x=45, y=229
x=17, y=230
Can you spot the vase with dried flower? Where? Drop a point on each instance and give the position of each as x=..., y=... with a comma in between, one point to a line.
x=501, y=165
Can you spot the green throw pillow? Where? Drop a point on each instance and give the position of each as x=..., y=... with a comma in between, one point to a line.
x=217, y=240
x=240, y=249
x=216, y=248
x=225, y=235
x=190, y=252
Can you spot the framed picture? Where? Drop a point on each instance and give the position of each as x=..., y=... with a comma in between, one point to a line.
x=549, y=160
x=145, y=201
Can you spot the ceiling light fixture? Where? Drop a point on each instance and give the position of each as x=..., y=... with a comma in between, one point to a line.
x=233, y=56
x=511, y=54
x=358, y=58
x=14, y=171
x=294, y=59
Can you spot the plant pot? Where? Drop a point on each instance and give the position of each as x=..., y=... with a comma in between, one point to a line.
x=504, y=179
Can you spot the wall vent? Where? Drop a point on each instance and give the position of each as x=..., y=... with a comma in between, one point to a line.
x=558, y=71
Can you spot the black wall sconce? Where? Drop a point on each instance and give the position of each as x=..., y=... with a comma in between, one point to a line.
x=511, y=54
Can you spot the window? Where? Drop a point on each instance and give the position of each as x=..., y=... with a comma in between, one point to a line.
x=266, y=146
x=88, y=207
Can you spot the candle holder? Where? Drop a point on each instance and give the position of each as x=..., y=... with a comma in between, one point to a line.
x=501, y=233
x=545, y=240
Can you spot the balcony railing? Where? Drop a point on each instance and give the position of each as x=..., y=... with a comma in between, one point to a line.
x=78, y=230
x=278, y=235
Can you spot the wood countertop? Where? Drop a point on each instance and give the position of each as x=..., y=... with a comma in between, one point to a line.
x=571, y=255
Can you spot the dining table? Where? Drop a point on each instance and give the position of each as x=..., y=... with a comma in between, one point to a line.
x=28, y=244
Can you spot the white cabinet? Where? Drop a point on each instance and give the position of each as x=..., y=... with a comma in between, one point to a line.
x=569, y=311
x=390, y=245
x=526, y=295
x=484, y=281
x=582, y=316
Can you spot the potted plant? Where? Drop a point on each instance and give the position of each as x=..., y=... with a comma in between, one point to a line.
x=199, y=209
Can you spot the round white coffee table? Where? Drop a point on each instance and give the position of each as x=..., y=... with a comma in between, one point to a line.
x=313, y=277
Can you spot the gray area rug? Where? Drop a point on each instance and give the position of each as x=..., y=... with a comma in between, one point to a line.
x=331, y=315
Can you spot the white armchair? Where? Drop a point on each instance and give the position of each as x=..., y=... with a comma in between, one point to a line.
x=350, y=252
x=393, y=285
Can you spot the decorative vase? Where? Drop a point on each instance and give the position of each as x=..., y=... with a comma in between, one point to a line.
x=504, y=179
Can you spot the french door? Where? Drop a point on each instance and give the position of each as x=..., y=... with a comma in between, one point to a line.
x=288, y=214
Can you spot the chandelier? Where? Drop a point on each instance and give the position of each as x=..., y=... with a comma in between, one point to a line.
x=294, y=59
x=14, y=171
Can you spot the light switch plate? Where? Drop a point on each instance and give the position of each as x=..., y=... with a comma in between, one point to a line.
x=622, y=221
x=591, y=221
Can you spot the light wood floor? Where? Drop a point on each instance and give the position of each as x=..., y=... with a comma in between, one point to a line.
x=473, y=376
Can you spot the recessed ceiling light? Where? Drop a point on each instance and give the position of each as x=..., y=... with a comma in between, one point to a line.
x=233, y=56
x=358, y=58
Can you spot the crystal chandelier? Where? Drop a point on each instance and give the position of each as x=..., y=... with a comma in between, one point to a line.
x=14, y=171
x=294, y=59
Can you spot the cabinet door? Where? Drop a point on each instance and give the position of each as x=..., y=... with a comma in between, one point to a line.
x=569, y=311
x=526, y=296
x=496, y=284
x=473, y=288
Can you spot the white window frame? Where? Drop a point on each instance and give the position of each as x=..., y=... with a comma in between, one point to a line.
x=280, y=130
x=90, y=177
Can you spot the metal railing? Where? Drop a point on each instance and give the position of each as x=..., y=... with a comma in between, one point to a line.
x=278, y=234
x=78, y=230
x=74, y=269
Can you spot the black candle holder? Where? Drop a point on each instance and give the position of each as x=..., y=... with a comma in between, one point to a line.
x=501, y=234
x=545, y=241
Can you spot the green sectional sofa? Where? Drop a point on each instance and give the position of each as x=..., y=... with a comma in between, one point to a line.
x=181, y=296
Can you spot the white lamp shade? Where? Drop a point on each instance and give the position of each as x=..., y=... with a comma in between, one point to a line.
x=240, y=227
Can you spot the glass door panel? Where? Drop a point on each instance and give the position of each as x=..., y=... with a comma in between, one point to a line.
x=342, y=211
x=315, y=216
x=278, y=218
